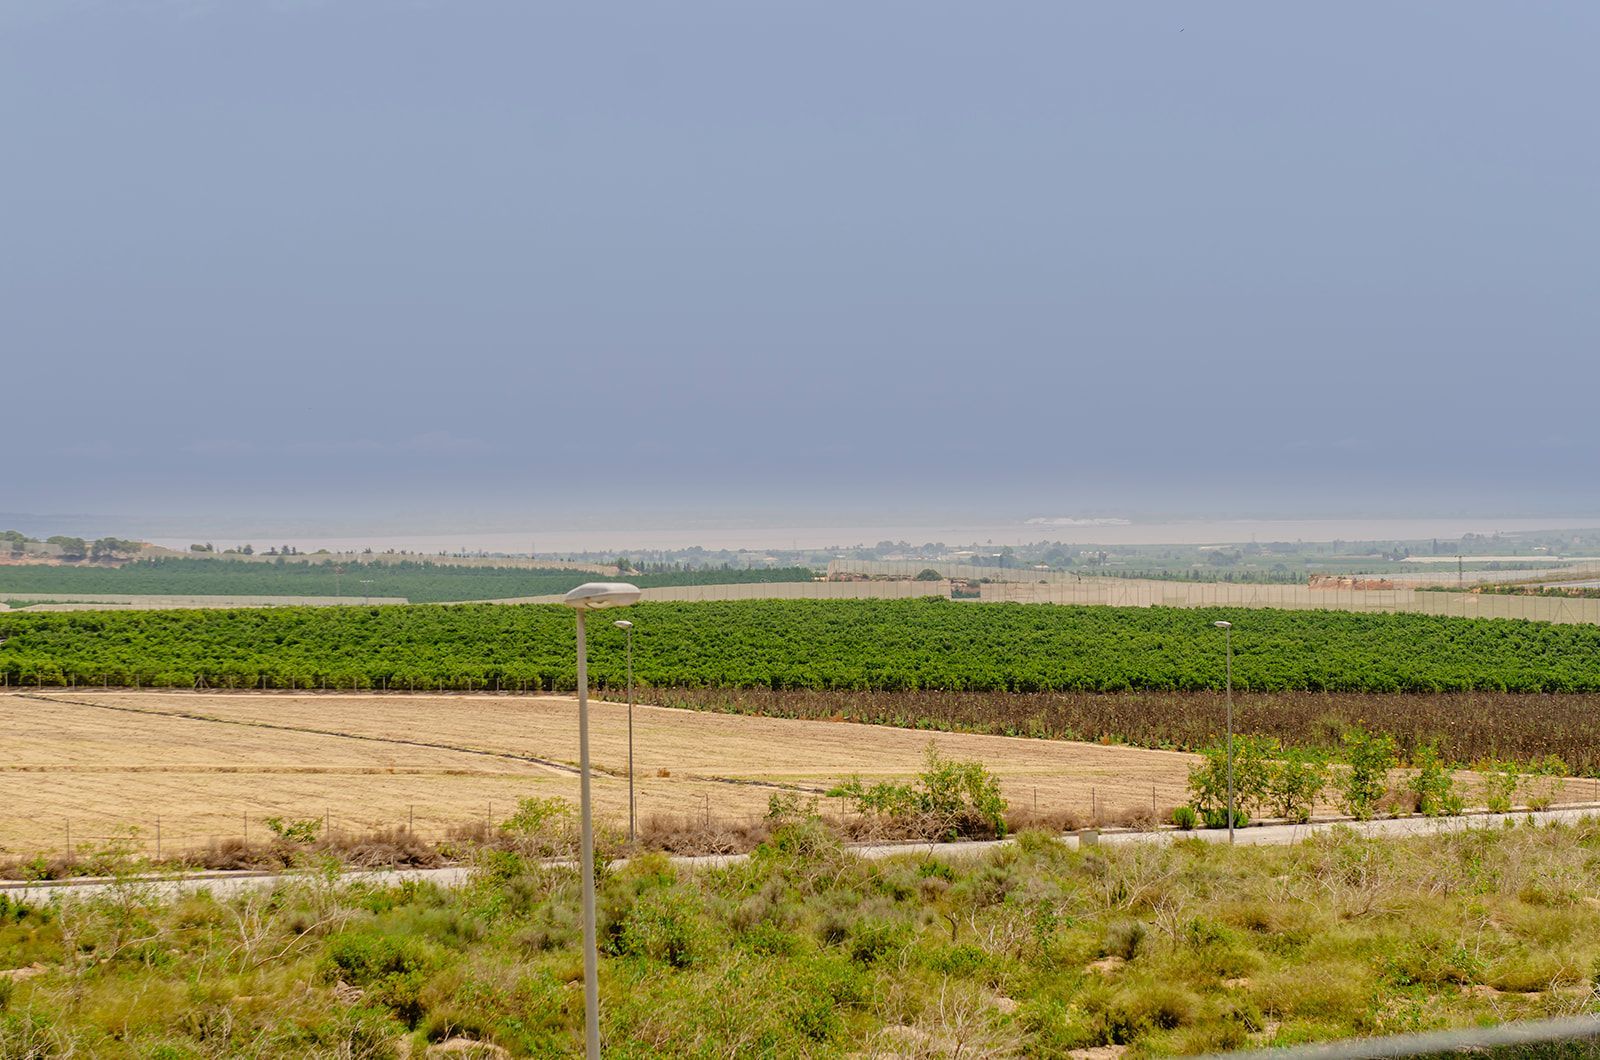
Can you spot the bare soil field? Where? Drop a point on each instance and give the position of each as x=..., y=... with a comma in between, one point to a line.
x=217, y=765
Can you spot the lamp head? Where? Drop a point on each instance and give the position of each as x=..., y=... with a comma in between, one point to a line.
x=623, y=623
x=1223, y=625
x=592, y=596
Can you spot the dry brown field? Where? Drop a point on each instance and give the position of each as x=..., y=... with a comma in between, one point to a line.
x=91, y=766
x=217, y=765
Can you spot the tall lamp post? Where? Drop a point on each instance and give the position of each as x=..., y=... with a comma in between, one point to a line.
x=1227, y=640
x=585, y=598
x=627, y=628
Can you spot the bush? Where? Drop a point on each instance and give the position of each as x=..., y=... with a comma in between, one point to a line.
x=391, y=968
x=303, y=831
x=542, y=828
x=661, y=926
x=1499, y=784
x=1368, y=759
x=1434, y=784
x=1252, y=768
x=1185, y=818
x=1123, y=939
x=950, y=798
x=1218, y=818
x=1545, y=781
x=1295, y=782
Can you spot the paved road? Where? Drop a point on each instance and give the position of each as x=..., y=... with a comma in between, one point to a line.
x=225, y=884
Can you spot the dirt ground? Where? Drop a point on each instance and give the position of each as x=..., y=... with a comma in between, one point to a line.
x=89, y=766
x=217, y=765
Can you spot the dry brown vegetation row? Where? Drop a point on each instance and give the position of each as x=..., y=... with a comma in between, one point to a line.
x=1467, y=726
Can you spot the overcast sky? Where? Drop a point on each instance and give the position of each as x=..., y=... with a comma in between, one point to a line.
x=366, y=259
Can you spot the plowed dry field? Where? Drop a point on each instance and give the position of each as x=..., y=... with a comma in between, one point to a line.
x=90, y=766
x=216, y=766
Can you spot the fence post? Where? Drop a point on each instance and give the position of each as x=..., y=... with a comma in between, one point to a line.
x=158, y=837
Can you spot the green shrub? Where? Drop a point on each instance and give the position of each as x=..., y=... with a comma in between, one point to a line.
x=391, y=968
x=303, y=830
x=950, y=798
x=542, y=828
x=873, y=938
x=817, y=991
x=662, y=926
x=1434, y=784
x=1218, y=818
x=1368, y=759
x=1146, y=1006
x=1499, y=784
x=1545, y=781
x=364, y=957
x=1295, y=782
x=1252, y=771
x=1123, y=938
x=789, y=806
x=1185, y=818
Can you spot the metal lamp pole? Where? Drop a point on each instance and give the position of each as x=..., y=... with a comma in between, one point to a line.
x=627, y=628
x=1227, y=639
x=584, y=598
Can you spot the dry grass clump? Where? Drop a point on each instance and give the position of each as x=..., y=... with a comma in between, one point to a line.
x=384, y=848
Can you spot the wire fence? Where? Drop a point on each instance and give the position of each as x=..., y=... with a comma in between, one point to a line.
x=160, y=836
x=85, y=840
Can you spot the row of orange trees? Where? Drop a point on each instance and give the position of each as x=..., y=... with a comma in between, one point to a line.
x=803, y=644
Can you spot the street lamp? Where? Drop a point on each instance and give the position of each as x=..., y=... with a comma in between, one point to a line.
x=590, y=597
x=627, y=628
x=1227, y=639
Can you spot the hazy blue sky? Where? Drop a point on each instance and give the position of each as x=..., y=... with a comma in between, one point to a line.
x=369, y=258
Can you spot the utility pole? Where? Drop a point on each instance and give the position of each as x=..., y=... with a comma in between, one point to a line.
x=1227, y=635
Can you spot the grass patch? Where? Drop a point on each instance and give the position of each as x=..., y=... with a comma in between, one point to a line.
x=806, y=950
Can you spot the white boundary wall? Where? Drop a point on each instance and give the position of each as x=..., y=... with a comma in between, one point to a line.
x=909, y=568
x=1128, y=592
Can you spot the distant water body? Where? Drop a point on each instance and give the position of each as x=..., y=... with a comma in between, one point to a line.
x=1083, y=532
